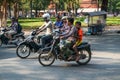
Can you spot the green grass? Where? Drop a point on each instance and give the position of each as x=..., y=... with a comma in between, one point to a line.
x=28, y=23
x=113, y=21
x=37, y=22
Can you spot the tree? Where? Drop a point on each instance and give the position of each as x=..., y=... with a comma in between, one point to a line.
x=113, y=6
x=16, y=9
x=3, y=13
x=104, y=6
x=118, y=5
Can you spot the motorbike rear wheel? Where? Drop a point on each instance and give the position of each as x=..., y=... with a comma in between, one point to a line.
x=85, y=57
x=46, y=59
x=23, y=51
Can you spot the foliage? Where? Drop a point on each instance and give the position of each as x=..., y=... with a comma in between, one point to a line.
x=113, y=5
x=118, y=5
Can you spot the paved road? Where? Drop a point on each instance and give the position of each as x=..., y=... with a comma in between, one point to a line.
x=105, y=63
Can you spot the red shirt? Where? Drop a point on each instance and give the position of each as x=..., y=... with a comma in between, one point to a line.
x=80, y=34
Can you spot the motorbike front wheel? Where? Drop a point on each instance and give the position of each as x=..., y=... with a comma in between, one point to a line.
x=85, y=57
x=46, y=59
x=23, y=51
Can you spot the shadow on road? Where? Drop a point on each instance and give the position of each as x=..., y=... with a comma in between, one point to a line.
x=7, y=52
x=105, y=43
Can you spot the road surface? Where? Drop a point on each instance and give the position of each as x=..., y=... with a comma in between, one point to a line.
x=105, y=63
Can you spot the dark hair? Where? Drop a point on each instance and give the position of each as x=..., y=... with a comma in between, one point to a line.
x=58, y=16
x=78, y=22
x=14, y=19
x=71, y=20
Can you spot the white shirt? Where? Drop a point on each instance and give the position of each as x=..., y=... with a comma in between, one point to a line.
x=48, y=27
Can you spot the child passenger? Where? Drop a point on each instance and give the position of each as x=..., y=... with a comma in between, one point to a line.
x=79, y=39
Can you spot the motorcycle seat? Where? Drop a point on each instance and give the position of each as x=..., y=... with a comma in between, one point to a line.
x=83, y=43
x=18, y=34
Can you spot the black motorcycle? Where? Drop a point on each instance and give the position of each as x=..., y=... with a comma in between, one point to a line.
x=16, y=39
x=29, y=45
x=58, y=50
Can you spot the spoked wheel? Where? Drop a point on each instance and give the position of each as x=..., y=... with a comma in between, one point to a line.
x=46, y=59
x=23, y=51
x=85, y=57
x=0, y=42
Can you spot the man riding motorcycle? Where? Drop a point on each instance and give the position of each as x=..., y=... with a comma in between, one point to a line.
x=48, y=27
x=58, y=23
x=71, y=36
x=65, y=29
x=62, y=48
x=14, y=28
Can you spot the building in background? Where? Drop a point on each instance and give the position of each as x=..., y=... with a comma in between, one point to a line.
x=84, y=6
x=88, y=6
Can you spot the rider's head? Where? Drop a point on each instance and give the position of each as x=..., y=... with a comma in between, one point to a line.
x=78, y=24
x=70, y=21
x=64, y=19
x=58, y=17
x=13, y=19
x=46, y=16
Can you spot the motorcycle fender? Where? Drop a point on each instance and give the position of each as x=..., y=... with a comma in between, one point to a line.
x=48, y=49
x=22, y=43
x=85, y=46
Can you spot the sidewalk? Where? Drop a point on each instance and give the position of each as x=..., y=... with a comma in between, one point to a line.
x=108, y=29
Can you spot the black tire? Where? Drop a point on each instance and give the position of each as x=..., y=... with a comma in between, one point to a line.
x=85, y=55
x=46, y=57
x=23, y=51
x=0, y=42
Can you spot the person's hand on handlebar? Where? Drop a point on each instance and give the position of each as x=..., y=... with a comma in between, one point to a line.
x=61, y=37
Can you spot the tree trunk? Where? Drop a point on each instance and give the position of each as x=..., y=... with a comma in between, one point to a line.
x=36, y=9
x=3, y=14
x=9, y=10
x=104, y=6
x=16, y=10
x=31, y=8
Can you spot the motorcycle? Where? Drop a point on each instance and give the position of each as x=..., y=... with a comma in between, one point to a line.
x=16, y=39
x=29, y=45
x=58, y=50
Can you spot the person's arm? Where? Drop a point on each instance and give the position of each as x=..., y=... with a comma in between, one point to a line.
x=40, y=28
x=54, y=24
x=65, y=31
x=45, y=26
x=71, y=32
x=15, y=27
